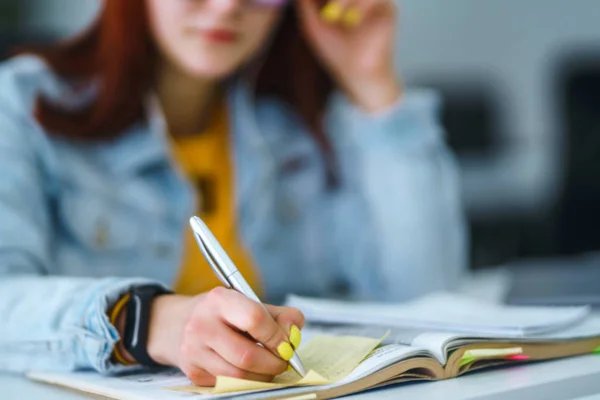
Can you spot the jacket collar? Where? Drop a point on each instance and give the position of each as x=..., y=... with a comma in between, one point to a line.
x=144, y=145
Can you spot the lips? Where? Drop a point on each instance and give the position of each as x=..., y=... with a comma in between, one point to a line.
x=221, y=36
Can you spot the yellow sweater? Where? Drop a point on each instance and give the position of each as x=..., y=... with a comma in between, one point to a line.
x=206, y=159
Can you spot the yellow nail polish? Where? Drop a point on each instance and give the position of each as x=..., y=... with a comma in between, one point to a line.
x=332, y=12
x=295, y=336
x=352, y=17
x=285, y=351
x=289, y=368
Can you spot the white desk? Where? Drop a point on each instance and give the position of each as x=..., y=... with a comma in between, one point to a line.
x=573, y=378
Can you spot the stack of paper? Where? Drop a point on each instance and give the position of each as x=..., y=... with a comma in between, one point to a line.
x=444, y=312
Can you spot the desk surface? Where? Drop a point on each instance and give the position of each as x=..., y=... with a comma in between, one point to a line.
x=573, y=378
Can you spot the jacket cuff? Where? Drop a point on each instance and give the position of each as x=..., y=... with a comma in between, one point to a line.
x=412, y=122
x=100, y=336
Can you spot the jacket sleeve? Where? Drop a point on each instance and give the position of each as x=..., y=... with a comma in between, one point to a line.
x=46, y=322
x=400, y=225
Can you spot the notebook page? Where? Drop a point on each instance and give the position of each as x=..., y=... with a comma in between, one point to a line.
x=327, y=358
x=379, y=359
x=135, y=386
x=433, y=343
x=333, y=357
x=444, y=312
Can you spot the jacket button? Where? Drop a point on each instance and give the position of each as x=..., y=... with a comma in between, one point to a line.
x=102, y=234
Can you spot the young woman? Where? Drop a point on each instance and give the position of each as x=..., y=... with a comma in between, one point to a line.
x=284, y=126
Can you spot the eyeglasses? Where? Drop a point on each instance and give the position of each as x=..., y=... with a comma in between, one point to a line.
x=258, y=3
x=269, y=3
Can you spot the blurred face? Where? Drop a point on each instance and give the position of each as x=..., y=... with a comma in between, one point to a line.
x=211, y=38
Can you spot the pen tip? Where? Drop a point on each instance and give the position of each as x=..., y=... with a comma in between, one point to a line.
x=297, y=365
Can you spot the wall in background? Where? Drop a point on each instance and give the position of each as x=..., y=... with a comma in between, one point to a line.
x=9, y=15
x=59, y=17
x=515, y=46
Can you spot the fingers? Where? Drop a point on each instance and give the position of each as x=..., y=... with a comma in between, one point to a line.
x=220, y=367
x=214, y=365
x=291, y=320
x=344, y=13
x=199, y=376
x=249, y=316
x=340, y=11
x=369, y=7
x=309, y=14
x=374, y=9
x=245, y=354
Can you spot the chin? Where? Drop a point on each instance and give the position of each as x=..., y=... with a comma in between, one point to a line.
x=211, y=70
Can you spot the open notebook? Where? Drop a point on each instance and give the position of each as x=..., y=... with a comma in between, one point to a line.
x=346, y=359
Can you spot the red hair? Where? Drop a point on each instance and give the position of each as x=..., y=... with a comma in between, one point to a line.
x=118, y=50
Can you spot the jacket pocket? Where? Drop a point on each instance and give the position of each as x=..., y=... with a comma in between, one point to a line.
x=99, y=223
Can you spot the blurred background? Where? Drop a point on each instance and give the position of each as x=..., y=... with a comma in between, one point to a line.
x=521, y=88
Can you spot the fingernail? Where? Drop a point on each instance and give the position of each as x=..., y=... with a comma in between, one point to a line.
x=285, y=351
x=332, y=12
x=295, y=336
x=352, y=17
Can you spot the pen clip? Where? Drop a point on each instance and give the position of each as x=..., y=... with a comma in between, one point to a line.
x=207, y=244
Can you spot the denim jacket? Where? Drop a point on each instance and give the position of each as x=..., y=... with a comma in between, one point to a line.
x=80, y=223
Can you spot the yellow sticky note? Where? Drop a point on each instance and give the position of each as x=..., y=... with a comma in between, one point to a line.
x=193, y=389
x=310, y=396
x=231, y=385
x=334, y=357
x=327, y=358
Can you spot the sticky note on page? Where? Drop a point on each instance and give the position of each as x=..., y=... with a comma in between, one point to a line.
x=327, y=358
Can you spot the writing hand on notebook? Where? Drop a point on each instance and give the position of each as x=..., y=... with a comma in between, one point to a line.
x=215, y=334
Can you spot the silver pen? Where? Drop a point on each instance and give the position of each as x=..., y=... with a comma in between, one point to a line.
x=228, y=273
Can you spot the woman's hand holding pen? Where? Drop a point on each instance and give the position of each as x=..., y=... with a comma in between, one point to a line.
x=216, y=334
x=355, y=40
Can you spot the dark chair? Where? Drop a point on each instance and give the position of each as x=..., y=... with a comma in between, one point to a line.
x=578, y=214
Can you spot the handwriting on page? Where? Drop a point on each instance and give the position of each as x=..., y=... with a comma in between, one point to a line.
x=333, y=357
x=327, y=358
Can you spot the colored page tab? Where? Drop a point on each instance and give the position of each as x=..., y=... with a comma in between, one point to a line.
x=466, y=361
x=476, y=354
x=519, y=357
